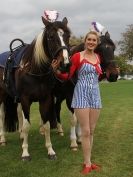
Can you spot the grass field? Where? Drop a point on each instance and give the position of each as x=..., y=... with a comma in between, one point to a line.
x=113, y=141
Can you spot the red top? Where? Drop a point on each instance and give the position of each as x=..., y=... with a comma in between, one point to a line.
x=76, y=64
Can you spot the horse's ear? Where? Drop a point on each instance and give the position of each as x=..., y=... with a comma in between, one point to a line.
x=65, y=21
x=45, y=22
x=107, y=35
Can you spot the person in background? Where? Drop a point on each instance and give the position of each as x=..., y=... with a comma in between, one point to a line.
x=86, y=98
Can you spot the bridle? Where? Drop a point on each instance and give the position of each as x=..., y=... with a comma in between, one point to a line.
x=49, y=51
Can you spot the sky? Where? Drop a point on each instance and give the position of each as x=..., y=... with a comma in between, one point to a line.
x=22, y=18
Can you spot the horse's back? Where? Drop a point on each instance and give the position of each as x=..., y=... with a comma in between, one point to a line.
x=15, y=55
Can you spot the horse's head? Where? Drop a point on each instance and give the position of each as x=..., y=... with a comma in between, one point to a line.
x=56, y=41
x=106, y=50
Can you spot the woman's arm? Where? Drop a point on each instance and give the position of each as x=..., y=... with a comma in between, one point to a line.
x=74, y=66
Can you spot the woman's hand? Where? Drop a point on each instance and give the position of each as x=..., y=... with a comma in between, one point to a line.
x=55, y=65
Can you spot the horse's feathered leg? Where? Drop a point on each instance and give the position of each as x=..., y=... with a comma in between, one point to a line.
x=2, y=132
x=25, y=129
x=58, y=109
x=20, y=119
x=45, y=112
x=48, y=144
x=41, y=129
x=73, y=136
x=60, y=129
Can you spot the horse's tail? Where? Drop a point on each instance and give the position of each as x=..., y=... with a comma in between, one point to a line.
x=11, y=117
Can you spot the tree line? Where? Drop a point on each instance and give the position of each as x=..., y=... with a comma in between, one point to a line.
x=125, y=46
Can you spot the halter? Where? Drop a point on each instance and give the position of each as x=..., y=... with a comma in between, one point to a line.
x=59, y=49
x=52, y=54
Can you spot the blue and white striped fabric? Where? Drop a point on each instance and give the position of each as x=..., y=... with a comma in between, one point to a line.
x=86, y=92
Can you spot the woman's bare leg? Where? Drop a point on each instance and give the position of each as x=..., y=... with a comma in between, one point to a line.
x=83, y=118
x=94, y=115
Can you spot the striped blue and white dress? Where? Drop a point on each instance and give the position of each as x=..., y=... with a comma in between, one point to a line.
x=86, y=92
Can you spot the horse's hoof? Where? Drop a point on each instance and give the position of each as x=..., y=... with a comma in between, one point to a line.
x=42, y=133
x=52, y=157
x=74, y=148
x=61, y=133
x=2, y=143
x=26, y=158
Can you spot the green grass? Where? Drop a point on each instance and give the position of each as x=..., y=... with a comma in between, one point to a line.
x=113, y=141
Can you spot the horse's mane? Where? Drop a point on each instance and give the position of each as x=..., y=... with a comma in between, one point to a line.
x=39, y=53
x=34, y=52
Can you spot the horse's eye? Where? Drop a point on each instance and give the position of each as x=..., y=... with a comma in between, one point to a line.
x=60, y=32
x=106, y=45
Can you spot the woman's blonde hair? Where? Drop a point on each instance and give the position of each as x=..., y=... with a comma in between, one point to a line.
x=95, y=33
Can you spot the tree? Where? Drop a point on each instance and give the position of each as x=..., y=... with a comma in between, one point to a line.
x=126, y=44
x=125, y=68
x=76, y=40
x=121, y=62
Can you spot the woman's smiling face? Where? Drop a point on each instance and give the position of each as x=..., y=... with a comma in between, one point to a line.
x=91, y=41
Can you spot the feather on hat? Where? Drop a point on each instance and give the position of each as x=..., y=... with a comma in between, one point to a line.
x=98, y=27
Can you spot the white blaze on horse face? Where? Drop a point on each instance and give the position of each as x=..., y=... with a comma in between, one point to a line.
x=65, y=52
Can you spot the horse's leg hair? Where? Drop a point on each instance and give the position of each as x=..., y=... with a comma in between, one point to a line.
x=25, y=128
x=20, y=119
x=44, y=108
x=58, y=110
x=48, y=143
x=73, y=120
x=73, y=136
x=41, y=129
x=2, y=131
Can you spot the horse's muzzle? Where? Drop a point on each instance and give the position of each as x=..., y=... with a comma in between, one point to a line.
x=112, y=77
x=65, y=67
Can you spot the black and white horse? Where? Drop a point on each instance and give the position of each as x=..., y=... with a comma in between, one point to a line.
x=33, y=80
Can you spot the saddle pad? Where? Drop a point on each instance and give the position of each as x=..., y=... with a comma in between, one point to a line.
x=17, y=55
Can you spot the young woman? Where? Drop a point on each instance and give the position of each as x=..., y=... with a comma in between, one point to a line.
x=86, y=98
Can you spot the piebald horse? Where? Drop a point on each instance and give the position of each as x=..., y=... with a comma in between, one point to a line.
x=33, y=81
